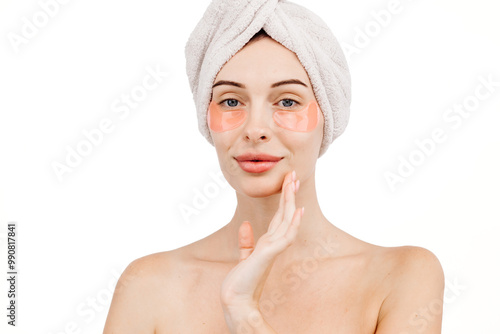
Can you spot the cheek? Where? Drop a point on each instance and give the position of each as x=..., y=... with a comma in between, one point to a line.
x=221, y=121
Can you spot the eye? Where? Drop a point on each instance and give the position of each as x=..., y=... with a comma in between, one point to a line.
x=287, y=103
x=230, y=103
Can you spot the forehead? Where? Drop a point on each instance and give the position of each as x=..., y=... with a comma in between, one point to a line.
x=264, y=60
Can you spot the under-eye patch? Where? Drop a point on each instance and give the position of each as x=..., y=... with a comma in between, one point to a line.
x=304, y=120
x=219, y=120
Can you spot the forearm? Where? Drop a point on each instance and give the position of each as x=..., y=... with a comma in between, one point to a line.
x=247, y=320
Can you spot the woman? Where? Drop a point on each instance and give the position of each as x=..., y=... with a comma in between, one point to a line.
x=275, y=267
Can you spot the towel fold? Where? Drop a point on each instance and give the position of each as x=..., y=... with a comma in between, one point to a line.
x=228, y=25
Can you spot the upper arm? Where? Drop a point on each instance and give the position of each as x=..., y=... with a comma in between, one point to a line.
x=132, y=307
x=415, y=301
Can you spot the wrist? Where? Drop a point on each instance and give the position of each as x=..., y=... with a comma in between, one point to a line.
x=239, y=310
x=242, y=318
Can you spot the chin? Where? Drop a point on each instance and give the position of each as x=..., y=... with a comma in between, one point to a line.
x=260, y=194
x=259, y=188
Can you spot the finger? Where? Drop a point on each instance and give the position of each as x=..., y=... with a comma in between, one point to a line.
x=293, y=229
x=287, y=215
x=278, y=217
x=246, y=242
x=289, y=211
x=288, y=207
x=287, y=233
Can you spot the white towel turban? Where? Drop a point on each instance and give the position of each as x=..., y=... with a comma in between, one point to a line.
x=228, y=25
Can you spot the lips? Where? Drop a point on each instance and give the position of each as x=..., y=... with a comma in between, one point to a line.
x=254, y=162
x=257, y=157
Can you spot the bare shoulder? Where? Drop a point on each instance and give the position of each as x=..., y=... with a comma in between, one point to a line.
x=399, y=265
x=145, y=284
x=412, y=265
x=406, y=260
x=151, y=266
x=415, y=287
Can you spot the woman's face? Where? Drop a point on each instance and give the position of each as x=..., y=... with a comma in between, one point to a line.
x=263, y=102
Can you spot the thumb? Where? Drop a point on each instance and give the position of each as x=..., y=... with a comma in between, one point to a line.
x=246, y=241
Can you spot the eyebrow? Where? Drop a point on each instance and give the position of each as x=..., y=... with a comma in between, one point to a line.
x=274, y=85
x=288, y=82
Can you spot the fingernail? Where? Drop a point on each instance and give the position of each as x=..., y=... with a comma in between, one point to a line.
x=303, y=208
x=298, y=186
x=294, y=175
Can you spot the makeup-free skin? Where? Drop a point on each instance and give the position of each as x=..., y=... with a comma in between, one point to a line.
x=283, y=272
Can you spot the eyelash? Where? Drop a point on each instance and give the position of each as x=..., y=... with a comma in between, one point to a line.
x=296, y=103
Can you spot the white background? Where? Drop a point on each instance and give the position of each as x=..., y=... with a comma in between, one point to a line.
x=123, y=201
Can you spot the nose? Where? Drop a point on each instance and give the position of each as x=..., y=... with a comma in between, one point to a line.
x=257, y=127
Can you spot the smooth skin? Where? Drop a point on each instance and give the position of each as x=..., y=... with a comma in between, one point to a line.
x=271, y=270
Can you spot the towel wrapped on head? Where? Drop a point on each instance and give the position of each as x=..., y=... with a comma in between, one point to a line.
x=228, y=25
